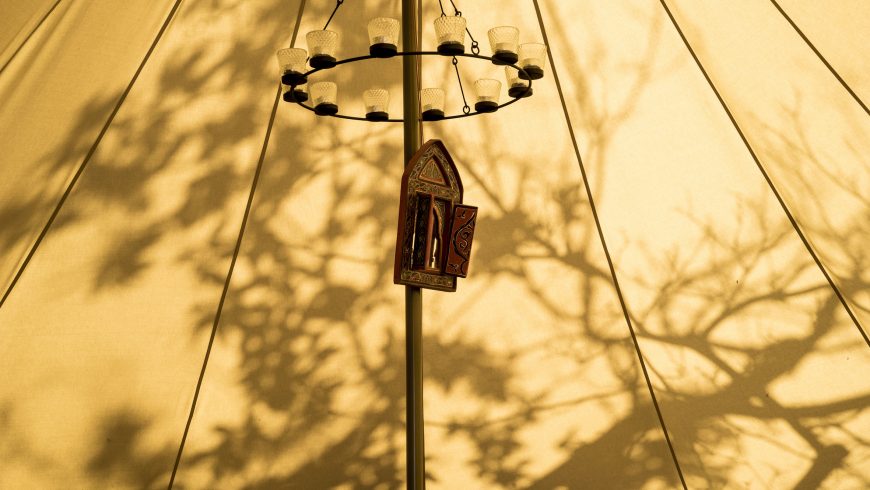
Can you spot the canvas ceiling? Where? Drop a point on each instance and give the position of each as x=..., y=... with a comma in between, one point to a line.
x=531, y=380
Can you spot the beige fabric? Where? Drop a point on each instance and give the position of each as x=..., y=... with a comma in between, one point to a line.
x=58, y=92
x=531, y=377
x=20, y=19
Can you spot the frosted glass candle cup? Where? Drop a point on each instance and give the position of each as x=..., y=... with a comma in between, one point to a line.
x=322, y=45
x=533, y=56
x=377, y=102
x=517, y=87
x=450, y=31
x=432, y=104
x=504, y=41
x=325, y=96
x=292, y=62
x=487, y=91
x=295, y=93
x=383, y=37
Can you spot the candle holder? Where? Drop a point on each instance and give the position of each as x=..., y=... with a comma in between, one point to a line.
x=377, y=102
x=517, y=87
x=325, y=95
x=294, y=93
x=432, y=104
x=322, y=45
x=487, y=91
x=292, y=61
x=450, y=31
x=533, y=56
x=383, y=37
x=504, y=41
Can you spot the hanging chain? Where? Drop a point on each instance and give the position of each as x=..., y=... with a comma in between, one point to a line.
x=475, y=49
x=465, y=108
x=337, y=5
x=475, y=46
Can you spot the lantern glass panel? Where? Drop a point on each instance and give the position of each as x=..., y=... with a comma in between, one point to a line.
x=450, y=30
x=383, y=30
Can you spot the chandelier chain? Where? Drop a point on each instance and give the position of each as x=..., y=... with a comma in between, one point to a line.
x=465, y=107
x=338, y=4
x=475, y=46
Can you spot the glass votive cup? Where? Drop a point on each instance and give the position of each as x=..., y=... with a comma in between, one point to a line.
x=383, y=37
x=292, y=63
x=450, y=32
x=322, y=45
x=325, y=96
x=504, y=41
x=488, y=91
x=432, y=104
x=533, y=57
x=517, y=87
x=377, y=102
x=295, y=93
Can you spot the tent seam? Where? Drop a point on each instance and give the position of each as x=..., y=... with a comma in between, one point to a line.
x=88, y=157
x=768, y=179
x=822, y=58
x=26, y=39
x=606, y=250
x=232, y=266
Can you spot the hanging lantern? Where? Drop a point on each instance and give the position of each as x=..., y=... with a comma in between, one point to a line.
x=295, y=93
x=517, y=87
x=504, y=41
x=432, y=102
x=383, y=37
x=532, y=59
x=487, y=94
x=322, y=45
x=292, y=64
x=377, y=102
x=450, y=31
x=325, y=95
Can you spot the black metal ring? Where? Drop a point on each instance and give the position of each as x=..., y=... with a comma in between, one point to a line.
x=416, y=53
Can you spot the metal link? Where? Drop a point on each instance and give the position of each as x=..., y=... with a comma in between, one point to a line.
x=337, y=5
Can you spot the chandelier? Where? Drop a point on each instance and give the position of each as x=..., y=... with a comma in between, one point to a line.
x=300, y=68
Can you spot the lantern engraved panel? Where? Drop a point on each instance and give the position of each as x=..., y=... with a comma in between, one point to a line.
x=431, y=192
x=461, y=234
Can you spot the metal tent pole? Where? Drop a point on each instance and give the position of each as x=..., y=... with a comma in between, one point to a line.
x=415, y=455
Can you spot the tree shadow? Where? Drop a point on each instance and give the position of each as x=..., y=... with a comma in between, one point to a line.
x=312, y=331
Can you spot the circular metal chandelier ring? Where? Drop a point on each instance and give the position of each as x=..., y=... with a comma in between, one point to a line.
x=525, y=78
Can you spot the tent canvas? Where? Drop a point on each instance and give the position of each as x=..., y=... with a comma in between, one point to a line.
x=531, y=376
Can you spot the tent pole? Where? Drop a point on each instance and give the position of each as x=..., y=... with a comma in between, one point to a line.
x=415, y=456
